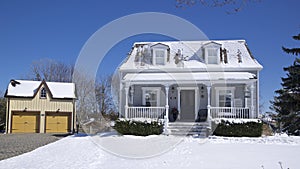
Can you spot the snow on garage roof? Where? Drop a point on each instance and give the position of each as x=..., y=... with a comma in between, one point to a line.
x=27, y=88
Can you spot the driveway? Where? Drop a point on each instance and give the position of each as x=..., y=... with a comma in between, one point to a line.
x=15, y=144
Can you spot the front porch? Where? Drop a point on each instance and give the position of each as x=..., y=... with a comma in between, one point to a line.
x=196, y=97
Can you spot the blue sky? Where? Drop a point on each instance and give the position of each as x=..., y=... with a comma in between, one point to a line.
x=32, y=30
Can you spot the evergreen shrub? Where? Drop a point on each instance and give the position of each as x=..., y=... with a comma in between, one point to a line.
x=231, y=129
x=138, y=128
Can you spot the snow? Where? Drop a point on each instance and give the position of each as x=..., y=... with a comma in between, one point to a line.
x=103, y=151
x=193, y=49
x=237, y=120
x=25, y=88
x=203, y=76
x=28, y=88
x=62, y=90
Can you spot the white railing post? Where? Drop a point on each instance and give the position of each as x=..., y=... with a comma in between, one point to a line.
x=229, y=112
x=146, y=112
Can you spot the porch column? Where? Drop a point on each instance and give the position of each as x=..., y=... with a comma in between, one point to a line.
x=131, y=94
x=120, y=100
x=208, y=87
x=167, y=110
x=246, y=91
x=252, y=99
x=126, y=101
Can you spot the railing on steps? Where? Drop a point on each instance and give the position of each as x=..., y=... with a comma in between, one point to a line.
x=146, y=112
x=230, y=112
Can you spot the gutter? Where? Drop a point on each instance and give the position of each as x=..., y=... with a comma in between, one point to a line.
x=7, y=115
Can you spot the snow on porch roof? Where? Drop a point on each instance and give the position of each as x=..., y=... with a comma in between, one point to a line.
x=28, y=88
x=200, y=76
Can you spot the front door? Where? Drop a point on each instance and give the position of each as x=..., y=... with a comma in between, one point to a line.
x=187, y=105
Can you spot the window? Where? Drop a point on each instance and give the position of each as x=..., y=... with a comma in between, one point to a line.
x=43, y=93
x=159, y=56
x=225, y=96
x=151, y=96
x=212, y=56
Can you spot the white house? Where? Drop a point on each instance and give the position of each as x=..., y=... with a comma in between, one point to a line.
x=219, y=78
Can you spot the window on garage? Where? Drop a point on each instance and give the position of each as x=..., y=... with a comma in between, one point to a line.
x=43, y=93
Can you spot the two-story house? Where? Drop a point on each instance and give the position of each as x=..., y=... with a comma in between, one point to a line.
x=219, y=77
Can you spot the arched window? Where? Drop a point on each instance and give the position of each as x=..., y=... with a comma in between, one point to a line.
x=43, y=93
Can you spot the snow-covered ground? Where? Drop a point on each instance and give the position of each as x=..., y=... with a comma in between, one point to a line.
x=122, y=152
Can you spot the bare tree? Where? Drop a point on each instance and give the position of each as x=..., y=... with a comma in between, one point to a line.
x=2, y=111
x=233, y=6
x=93, y=101
x=104, y=96
x=86, y=104
x=51, y=71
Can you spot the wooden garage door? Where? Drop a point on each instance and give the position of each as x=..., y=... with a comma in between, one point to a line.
x=25, y=122
x=58, y=122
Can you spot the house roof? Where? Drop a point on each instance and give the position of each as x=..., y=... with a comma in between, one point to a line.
x=192, y=52
x=27, y=88
x=199, y=76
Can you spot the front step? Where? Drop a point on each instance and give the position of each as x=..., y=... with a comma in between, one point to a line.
x=189, y=128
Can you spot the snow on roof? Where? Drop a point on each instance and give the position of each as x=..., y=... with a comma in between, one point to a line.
x=203, y=76
x=193, y=50
x=27, y=88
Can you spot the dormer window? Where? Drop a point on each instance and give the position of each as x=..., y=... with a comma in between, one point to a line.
x=43, y=93
x=159, y=56
x=212, y=56
x=212, y=53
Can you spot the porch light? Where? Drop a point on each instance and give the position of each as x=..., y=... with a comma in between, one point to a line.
x=172, y=89
x=247, y=94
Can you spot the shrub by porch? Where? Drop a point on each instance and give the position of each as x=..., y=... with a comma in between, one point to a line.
x=138, y=127
x=238, y=129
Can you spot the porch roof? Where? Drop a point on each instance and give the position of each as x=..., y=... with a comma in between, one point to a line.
x=189, y=76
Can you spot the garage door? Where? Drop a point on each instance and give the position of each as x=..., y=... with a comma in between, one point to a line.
x=58, y=122
x=25, y=122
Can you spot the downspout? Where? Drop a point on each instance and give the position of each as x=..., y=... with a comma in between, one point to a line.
x=7, y=115
x=74, y=117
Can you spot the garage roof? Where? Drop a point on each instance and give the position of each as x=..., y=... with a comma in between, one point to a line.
x=27, y=88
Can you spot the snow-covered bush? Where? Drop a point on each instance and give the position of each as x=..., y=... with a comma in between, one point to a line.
x=138, y=127
x=238, y=129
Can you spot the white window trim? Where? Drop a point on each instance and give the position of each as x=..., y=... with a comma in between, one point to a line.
x=154, y=55
x=218, y=89
x=157, y=89
x=206, y=55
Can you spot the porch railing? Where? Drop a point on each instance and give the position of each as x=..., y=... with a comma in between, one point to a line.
x=146, y=112
x=230, y=112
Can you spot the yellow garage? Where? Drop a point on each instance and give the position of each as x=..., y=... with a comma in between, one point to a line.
x=58, y=122
x=25, y=122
